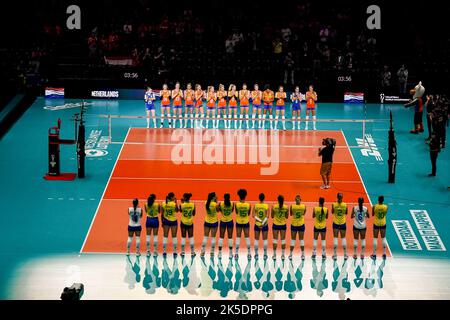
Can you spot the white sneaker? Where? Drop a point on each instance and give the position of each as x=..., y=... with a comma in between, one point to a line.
x=323, y=187
x=327, y=187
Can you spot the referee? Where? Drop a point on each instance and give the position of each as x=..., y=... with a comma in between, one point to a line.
x=326, y=153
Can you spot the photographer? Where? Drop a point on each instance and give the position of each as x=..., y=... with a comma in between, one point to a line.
x=327, y=160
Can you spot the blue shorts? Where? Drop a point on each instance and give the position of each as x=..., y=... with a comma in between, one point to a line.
x=177, y=107
x=257, y=106
x=185, y=226
x=150, y=106
x=339, y=226
x=169, y=223
x=320, y=230
x=228, y=224
x=134, y=229
x=244, y=106
x=278, y=227
x=245, y=225
x=298, y=228
x=379, y=227
x=152, y=222
x=212, y=225
x=356, y=229
x=311, y=108
x=165, y=106
x=264, y=228
x=296, y=107
x=190, y=106
x=280, y=107
x=267, y=106
x=211, y=108
x=232, y=107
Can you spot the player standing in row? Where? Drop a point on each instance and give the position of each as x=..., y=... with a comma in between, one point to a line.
x=280, y=96
x=359, y=215
x=170, y=222
x=211, y=98
x=379, y=212
x=211, y=223
x=177, y=98
x=152, y=209
x=226, y=225
x=268, y=97
x=221, y=105
x=339, y=211
x=199, y=95
x=149, y=98
x=244, y=96
x=320, y=216
x=165, y=104
x=242, y=221
x=189, y=106
x=187, y=209
x=232, y=106
x=261, y=216
x=297, y=212
x=311, y=99
x=296, y=98
x=134, y=227
x=256, y=103
x=280, y=214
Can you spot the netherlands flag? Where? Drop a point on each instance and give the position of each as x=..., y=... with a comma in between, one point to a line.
x=352, y=97
x=54, y=93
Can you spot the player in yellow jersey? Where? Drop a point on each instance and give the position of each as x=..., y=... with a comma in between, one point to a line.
x=226, y=224
x=261, y=215
x=211, y=223
x=242, y=209
x=280, y=213
x=152, y=209
x=339, y=211
x=379, y=212
x=187, y=210
x=297, y=212
x=320, y=216
x=170, y=222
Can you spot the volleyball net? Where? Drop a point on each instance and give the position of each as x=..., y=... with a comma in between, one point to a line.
x=357, y=131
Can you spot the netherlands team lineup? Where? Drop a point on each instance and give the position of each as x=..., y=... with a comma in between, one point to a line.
x=224, y=216
x=223, y=104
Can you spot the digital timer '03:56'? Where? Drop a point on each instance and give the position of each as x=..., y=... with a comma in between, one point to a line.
x=344, y=78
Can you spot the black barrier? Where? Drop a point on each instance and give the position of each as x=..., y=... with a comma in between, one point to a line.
x=81, y=142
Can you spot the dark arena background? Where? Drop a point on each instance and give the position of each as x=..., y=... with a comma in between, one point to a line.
x=82, y=136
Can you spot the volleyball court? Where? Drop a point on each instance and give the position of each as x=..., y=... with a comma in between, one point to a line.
x=146, y=165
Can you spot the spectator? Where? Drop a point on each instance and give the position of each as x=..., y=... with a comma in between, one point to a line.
x=289, y=69
x=385, y=78
x=286, y=34
x=402, y=75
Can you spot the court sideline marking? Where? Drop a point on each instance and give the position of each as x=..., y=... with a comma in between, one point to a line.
x=364, y=186
x=104, y=191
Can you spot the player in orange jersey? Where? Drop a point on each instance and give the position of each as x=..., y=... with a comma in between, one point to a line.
x=211, y=98
x=256, y=105
x=268, y=97
x=222, y=104
x=232, y=105
x=280, y=96
x=311, y=99
x=177, y=98
x=244, y=96
x=165, y=104
x=199, y=94
x=189, y=106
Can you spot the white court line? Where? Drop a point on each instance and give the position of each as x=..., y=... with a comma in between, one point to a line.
x=104, y=191
x=364, y=186
x=284, y=161
x=223, y=179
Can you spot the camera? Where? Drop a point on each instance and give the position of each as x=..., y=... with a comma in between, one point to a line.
x=75, y=292
x=329, y=142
